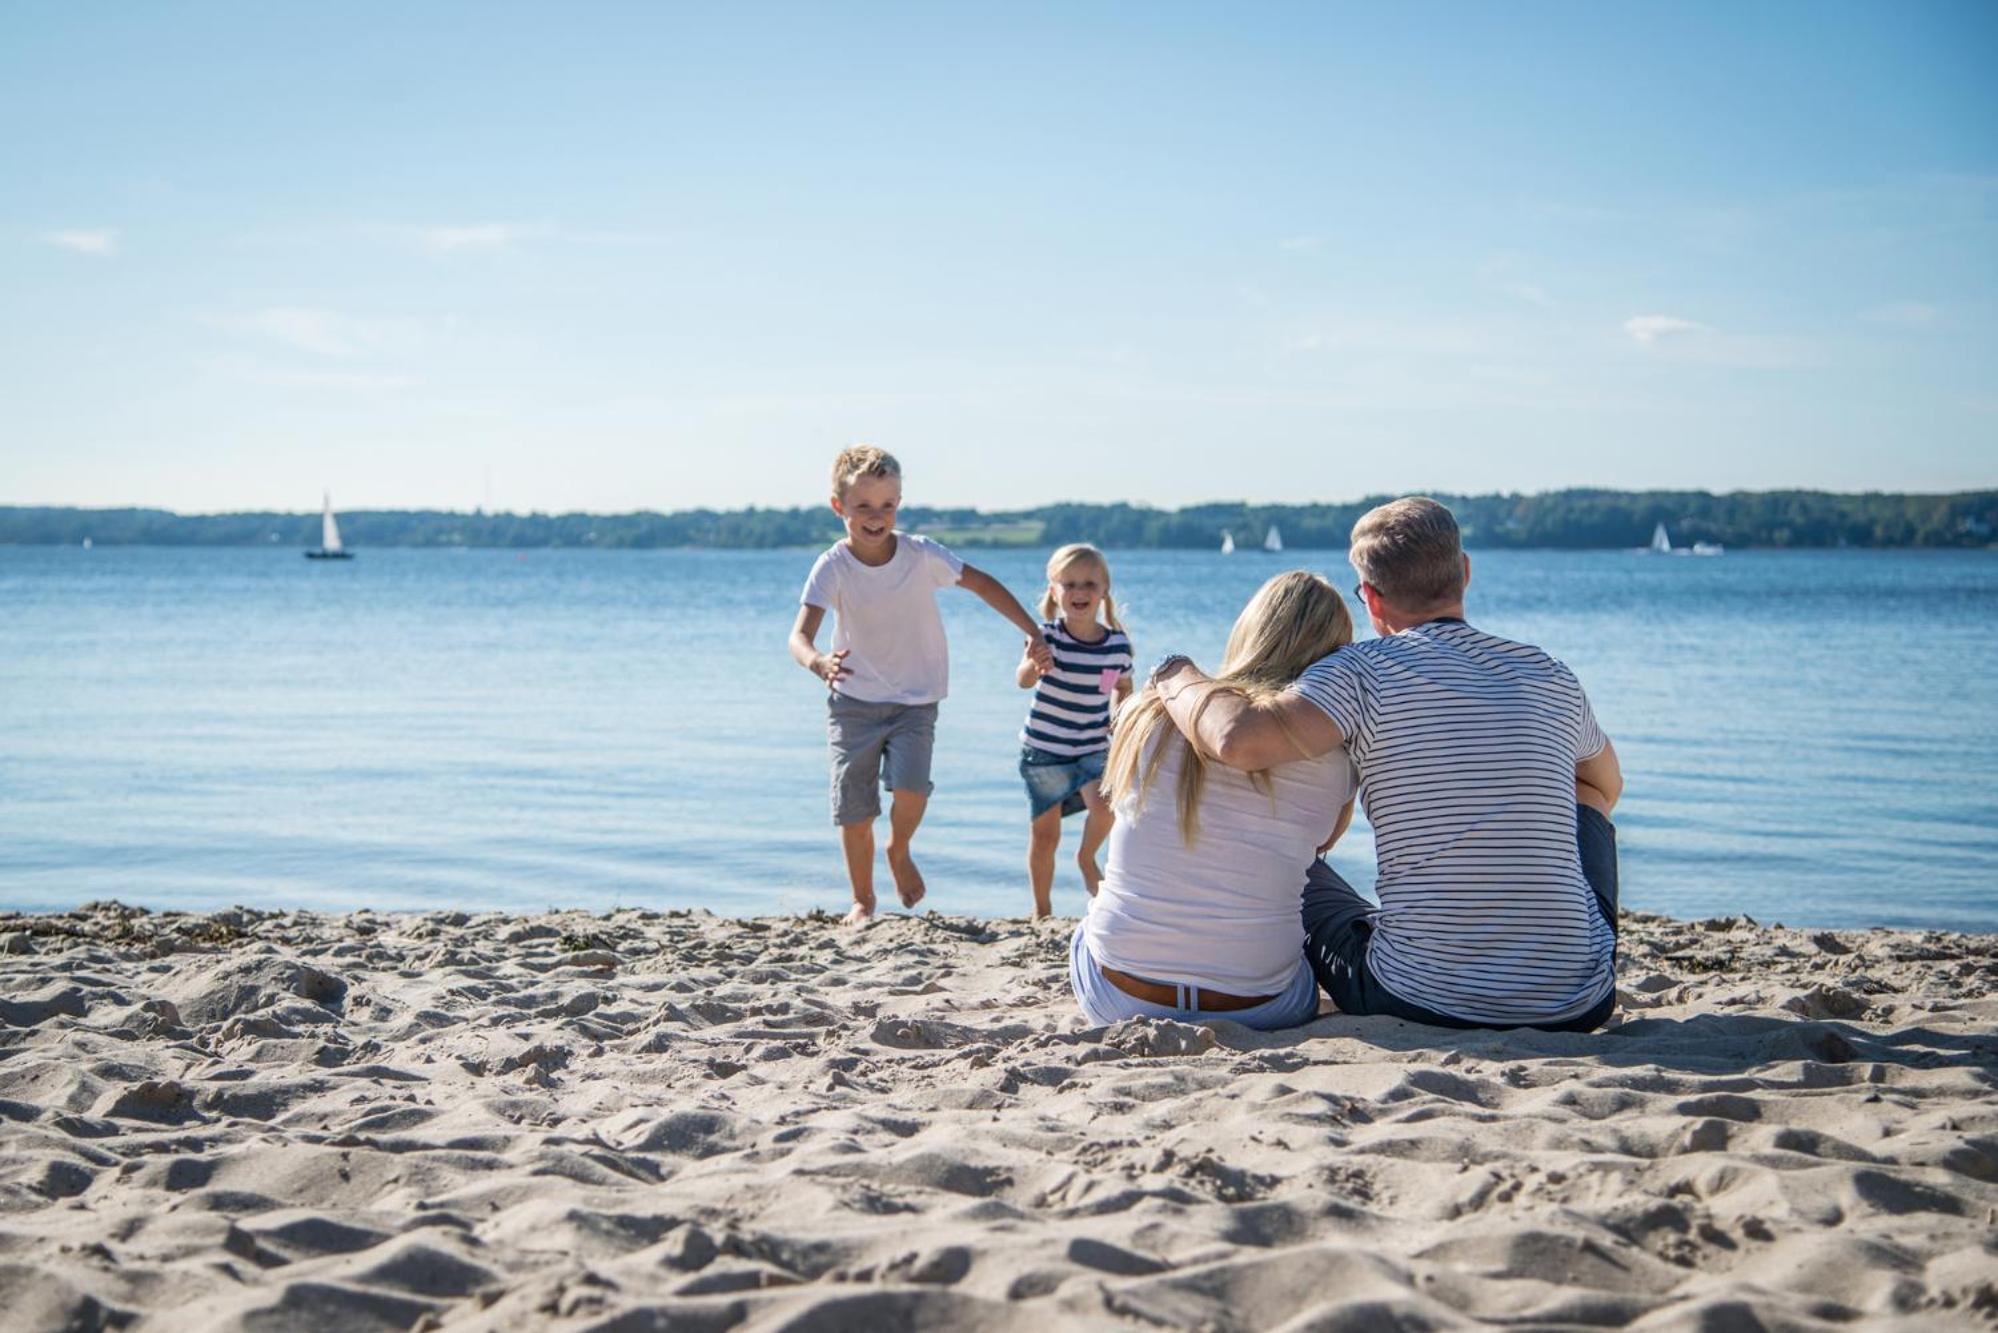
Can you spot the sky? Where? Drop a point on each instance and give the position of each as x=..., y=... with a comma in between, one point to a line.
x=612, y=257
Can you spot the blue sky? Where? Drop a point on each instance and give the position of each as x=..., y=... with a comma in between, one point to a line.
x=651, y=256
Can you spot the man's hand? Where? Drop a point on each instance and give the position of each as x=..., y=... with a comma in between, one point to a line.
x=831, y=667
x=1040, y=654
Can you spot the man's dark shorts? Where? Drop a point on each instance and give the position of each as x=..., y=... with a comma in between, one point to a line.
x=1337, y=926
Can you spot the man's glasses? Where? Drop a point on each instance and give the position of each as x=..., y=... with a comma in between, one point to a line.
x=1360, y=593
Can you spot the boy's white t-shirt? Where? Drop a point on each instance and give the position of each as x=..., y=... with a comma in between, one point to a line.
x=887, y=616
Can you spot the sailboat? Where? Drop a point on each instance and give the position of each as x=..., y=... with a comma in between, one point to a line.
x=1273, y=540
x=329, y=536
x=1661, y=544
x=1227, y=543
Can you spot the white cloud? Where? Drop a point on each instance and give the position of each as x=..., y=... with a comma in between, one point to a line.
x=1372, y=334
x=475, y=236
x=1503, y=274
x=366, y=381
x=1688, y=342
x=102, y=241
x=1649, y=329
x=308, y=330
x=327, y=332
x=1905, y=314
x=1527, y=292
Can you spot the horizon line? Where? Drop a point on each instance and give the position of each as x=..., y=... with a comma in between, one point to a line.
x=1377, y=497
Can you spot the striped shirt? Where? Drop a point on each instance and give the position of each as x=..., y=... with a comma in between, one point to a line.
x=1466, y=745
x=1071, y=710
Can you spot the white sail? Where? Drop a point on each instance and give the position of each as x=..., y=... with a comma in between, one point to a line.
x=329, y=531
x=1227, y=543
x=1274, y=541
x=1661, y=544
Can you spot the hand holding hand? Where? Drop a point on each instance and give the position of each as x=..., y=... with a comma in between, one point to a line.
x=831, y=667
x=1041, y=653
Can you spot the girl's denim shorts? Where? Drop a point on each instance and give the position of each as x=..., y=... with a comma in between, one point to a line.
x=1058, y=779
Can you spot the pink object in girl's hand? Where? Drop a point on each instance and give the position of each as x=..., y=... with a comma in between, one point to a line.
x=1108, y=680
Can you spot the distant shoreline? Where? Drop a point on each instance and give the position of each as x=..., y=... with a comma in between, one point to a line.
x=1556, y=520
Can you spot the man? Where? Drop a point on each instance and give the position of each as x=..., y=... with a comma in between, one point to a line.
x=1488, y=783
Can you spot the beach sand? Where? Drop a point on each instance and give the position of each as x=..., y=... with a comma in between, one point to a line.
x=652, y=1121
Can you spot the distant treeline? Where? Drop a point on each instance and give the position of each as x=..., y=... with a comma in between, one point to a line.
x=1572, y=519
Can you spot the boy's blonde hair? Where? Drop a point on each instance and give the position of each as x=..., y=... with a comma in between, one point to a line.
x=1291, y=622
x=1066, y=558
x=1409, y=550
x=861, y=460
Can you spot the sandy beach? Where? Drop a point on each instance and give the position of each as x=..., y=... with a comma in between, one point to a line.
x=650, y=1121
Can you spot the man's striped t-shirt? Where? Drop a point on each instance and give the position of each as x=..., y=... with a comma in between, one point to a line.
x=1466, y=745
x=1071, y=709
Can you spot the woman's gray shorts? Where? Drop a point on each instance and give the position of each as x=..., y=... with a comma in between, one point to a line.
x=890, y=743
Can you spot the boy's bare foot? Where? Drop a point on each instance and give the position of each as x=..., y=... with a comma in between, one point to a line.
x=861, y=914
x=1091, y=875
x=909, y=885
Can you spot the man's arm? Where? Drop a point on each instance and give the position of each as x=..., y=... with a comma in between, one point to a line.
x=1599, y=779
x=828, y=667
x=993, y=593
x=1226, y=726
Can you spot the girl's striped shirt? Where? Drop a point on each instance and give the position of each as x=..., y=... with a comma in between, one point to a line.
x=1071, y=709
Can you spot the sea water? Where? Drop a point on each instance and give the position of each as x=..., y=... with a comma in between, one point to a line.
x=1808, y=737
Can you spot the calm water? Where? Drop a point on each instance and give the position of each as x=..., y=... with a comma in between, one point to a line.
x=1808, y=737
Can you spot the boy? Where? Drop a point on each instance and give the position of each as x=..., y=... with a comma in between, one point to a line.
x=889, y=664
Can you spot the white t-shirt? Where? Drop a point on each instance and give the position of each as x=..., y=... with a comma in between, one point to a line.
x=1466, y=745
x=1225, y=912
x=887, y=616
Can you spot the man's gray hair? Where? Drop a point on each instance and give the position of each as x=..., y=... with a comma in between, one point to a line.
x=1410, y=551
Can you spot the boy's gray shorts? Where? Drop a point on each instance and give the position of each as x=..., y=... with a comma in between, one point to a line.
x=890, y=743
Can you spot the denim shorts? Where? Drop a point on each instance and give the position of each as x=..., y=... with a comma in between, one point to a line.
x=888, y=743
x=1058, y=779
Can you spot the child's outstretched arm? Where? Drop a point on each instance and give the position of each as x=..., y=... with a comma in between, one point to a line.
x=1028, y=673
x=828, y=667
x=993, y=593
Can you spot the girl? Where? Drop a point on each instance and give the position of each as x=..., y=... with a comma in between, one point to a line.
x=1200, y=913
x=1067, y=732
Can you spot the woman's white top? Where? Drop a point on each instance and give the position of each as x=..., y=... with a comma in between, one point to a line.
x=1223, y=913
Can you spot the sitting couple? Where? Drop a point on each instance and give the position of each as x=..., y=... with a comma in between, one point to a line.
x=1487, y=780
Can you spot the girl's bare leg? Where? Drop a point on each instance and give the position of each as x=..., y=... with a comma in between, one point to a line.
x=904, y=813
x=1043, y=836
x=1095, y=828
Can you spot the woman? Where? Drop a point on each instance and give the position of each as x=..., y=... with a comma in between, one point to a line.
x=1197, y=916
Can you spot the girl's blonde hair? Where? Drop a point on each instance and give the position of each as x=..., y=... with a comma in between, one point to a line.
x=1066, y=558
x=1291, y=622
